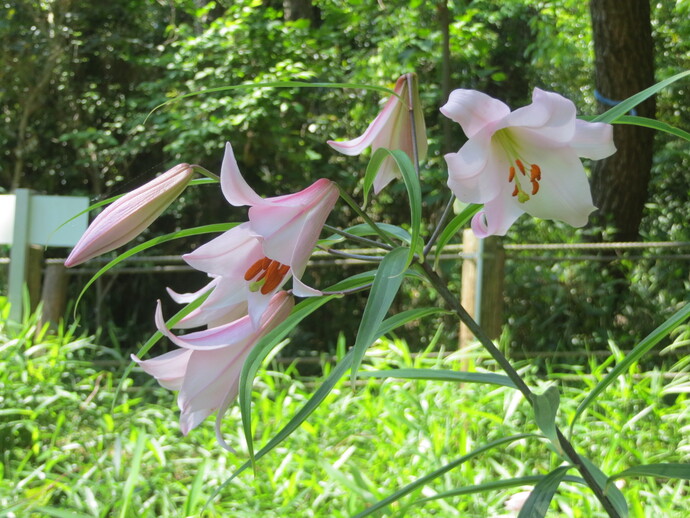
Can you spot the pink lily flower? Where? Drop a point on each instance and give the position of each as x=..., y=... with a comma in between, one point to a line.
x=130, y=215
x=206, y=369
x=523, y=161
x=391, y=129
x=251, y=262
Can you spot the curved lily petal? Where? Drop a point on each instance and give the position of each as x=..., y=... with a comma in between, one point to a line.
x=392, y=129
x=235, y=189
x=473, y=110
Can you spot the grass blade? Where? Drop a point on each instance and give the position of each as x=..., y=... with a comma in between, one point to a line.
x=539, y=500
x=133, y=476
x=640, y=349
x=435, y=474
x=664, y=470
x=442, y=375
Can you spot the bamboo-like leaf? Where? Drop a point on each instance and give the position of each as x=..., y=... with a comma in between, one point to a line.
x=611, y=491
x=259, y=353
x=537, y=504
x=653, y=124
x=414, y=191
x=638, y=351
x=276, y=84
x=625, y=106
x=663, y=470
x=365, y=230
x=319, y=395
x=388, y=278
x=495, y=484
x=454, y=225
x=422, y=481
x=545, y=407
x=404, y=317
x=195, y=231
x=442, y=375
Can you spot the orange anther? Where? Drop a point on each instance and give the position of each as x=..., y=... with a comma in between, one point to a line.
x=535, y=187
x=520, y=166
x=257, y=267
x=516, y=191
x=511, y=174
x=274, y=276
x=535, y=172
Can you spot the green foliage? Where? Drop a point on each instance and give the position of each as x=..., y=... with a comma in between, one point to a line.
x=65, y=453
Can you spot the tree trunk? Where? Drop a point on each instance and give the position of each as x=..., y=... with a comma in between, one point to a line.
x=624, y=61
x=300, y=9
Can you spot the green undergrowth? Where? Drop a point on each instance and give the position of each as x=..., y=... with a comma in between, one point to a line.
x=70, y=450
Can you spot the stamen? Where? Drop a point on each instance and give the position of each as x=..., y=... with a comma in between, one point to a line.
x=535, y=173
x=257, y=267
x=535, y=187
x=516, y=191
x=266, y=274
x=521, y=167
x=274, y=276
x=511, y=174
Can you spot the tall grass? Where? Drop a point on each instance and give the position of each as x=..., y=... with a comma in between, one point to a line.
x=70, y=451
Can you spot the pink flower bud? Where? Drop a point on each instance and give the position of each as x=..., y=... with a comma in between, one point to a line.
x=130, y=215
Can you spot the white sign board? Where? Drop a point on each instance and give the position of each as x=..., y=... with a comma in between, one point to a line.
x=48, y=217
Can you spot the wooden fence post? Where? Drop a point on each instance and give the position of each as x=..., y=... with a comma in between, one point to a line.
x=483, y=269
x=54, y=294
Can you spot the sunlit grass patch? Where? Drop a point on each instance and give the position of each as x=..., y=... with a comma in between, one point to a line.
x=70, y=450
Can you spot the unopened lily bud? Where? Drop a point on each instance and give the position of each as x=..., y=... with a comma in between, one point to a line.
x=130, y=215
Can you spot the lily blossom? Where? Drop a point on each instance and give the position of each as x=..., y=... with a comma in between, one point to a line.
x=251, y=262
x=391, y=129
x=128, y=216
x=206, y=369
x=523, y=161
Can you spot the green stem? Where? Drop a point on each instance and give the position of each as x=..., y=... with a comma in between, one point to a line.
x=353, y=204
x=488, y=344
x=206, y=172
x=358, y=239
x=439, y=227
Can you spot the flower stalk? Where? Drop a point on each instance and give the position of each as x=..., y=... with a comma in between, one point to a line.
x=515, y=377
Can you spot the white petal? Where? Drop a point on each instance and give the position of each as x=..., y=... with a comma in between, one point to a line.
x=234, y=187
x=496, y=217
x=550, y=116
x=476, y=172
x=593, y=140
x=168, y=369
x=473, y=110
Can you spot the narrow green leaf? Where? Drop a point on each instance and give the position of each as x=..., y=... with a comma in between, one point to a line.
x=640, y=349
x=537, y=504
x=403, y=318
x=442, y=375
x=314, y=401
x=454, y=225
x=653, y=124
x=545, y=409
x=205, y=229
x=414, y=191
x=275, y=84
x=259, y=353
x=496, y=484
x=57, y=513
x=663, y=470
x=625, y=106
x=388, y=278
x=422, y=481
x=132, y=478
x=611, y=491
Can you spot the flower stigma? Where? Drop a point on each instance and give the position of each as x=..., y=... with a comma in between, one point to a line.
x=510, y=147
x=267, y=275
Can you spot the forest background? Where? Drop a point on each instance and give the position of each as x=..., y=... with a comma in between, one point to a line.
x=80, y=78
